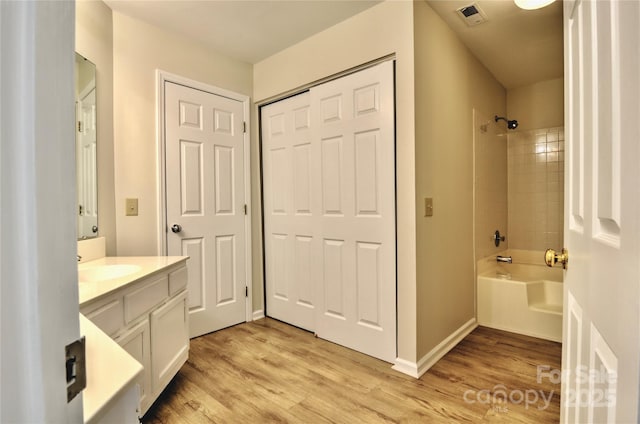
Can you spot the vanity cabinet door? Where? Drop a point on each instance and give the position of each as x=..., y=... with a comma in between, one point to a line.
x=169, y=340
x=136, y=341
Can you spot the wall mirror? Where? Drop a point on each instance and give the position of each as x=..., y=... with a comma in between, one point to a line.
x=86, y=143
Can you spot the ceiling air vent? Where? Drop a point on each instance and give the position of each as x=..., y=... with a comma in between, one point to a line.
x=472, y=15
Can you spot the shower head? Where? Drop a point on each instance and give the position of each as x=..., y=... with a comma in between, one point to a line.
x=511, y=124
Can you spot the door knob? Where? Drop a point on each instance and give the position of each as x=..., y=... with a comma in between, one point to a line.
x=176, y=228
x=551, y=258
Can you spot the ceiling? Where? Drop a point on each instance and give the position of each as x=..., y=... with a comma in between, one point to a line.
x=247, y=30
x=519, y=47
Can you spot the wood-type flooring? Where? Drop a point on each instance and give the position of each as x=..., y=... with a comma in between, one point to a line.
x=270, y=372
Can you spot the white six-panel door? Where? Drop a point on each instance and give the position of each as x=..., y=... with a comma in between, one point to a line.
x=292, y=231
x=601, y=338
x=205, y=198
x=329, y=190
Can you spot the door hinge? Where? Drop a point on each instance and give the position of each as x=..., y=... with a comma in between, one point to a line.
x=245, y=209
x=246, y=291
x=79, y=126
x=244, y=127
x=76, y=371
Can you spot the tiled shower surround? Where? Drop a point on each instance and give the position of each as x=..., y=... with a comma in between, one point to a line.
x=536, y=189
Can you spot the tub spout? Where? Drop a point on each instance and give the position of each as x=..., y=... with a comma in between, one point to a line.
x=506, y=259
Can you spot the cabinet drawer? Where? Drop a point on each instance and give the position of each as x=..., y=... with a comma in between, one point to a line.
x=145, y=298
x=108, y=316
x=177, y=280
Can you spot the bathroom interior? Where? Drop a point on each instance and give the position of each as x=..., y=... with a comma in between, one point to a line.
x=519, y=186
x=456, y=143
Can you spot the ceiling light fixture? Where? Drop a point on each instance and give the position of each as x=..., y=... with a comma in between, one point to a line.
x=532, y=4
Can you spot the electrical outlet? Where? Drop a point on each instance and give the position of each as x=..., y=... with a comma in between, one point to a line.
x=131, y=206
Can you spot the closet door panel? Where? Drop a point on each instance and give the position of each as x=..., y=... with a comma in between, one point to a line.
x=329, y=201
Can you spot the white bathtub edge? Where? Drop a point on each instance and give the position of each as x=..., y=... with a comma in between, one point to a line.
x=416, y=370
x=508, y=305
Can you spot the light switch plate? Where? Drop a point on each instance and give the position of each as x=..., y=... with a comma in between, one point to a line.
x=131, y=206
x=428, y=206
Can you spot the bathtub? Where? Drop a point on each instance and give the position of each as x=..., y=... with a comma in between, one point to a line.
x=523, y=297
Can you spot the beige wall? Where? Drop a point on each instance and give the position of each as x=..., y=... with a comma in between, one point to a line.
x=94, y=40
x=379, y=31
x=450, y=83
x=539, y=105
x=139, y=49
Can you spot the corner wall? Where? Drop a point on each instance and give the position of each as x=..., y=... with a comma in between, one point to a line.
x=449, y=84
x=138, y=50
x=384, y=29
x=539, y=105
x=94, y=40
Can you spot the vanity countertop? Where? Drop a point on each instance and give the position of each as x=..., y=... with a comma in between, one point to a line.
x=143, y=266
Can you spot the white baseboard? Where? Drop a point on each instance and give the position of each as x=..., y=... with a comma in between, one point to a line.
x=416, y=370
x=406, y=367
x=259, y=314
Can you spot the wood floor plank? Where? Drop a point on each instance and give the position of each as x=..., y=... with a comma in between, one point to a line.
x=270, y=372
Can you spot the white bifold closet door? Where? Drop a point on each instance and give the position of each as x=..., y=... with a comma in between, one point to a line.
x=329, y=211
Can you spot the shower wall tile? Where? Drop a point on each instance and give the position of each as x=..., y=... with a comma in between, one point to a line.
x=536, y=189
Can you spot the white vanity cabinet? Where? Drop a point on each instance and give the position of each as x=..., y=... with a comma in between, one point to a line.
x=136, y=341
x=148, y=318
x=169, y=340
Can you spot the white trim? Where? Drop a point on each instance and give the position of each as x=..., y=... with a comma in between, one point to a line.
x=416, y=370
x=247, y=200
x=474, y=199
x=306, y=87
x=406, y=367
x=259, y=314
x=161, y=78
x=160, y=165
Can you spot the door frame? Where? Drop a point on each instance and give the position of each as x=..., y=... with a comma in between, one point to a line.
x=161, y=78
x=39, y=300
